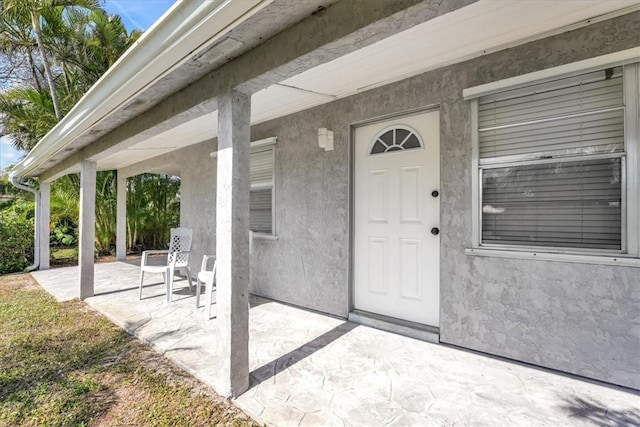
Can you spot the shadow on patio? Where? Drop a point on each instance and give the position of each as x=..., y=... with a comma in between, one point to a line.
x=599, y=414
x=312, y=369
x=273, y=368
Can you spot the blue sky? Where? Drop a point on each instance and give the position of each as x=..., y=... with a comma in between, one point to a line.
x=136, y=14
x=8, y=155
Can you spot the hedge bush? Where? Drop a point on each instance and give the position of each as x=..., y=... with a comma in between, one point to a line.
x=16, y=237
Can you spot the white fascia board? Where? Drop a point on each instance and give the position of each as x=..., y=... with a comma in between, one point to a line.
x=610, y=60
x=173, y=39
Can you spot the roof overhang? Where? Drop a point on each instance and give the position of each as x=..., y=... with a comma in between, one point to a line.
x=431, y=41
x=189, y=40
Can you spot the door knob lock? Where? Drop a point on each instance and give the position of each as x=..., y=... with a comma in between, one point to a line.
x=435, y=193
x=435, y=231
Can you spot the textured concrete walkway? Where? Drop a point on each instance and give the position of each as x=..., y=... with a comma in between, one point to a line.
x=314, y=370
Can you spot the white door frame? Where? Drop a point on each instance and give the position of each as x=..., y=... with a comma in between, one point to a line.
x=352, y=143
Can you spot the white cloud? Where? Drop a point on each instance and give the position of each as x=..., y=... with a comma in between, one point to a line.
x=138, y=14
x=123, y=12
x=8, y=154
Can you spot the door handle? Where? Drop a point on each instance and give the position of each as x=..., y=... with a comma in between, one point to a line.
x=435, y=193
x=435, y=231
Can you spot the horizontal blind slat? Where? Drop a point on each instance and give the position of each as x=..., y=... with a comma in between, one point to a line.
x=596, y=133
x=261, y=167
x=536, y=106
x=576, y=203
x=260, y=211
x=555, y=85
x=566, y=126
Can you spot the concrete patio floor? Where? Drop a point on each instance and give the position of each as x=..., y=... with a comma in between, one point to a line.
x=310, y=369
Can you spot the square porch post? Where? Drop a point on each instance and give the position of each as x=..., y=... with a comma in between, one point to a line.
x=232, y=242
x=121, y=217
x=87, y=227
x=43, y=223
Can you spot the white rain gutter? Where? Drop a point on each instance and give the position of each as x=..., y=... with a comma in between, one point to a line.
x=183, y=30
x=36, y=222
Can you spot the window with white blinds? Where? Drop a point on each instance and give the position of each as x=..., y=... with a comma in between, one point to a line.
x=551, y=164
x=575, y=204
x=578, y=115
x=261, y=197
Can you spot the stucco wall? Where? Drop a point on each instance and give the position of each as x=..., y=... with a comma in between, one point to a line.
x=576, y=318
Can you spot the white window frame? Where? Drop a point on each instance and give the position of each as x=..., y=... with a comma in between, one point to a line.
x=630, y=254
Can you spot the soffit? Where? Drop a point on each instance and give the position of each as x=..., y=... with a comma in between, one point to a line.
x=469, y=32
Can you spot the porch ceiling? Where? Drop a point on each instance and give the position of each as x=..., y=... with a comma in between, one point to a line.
x=457, y=36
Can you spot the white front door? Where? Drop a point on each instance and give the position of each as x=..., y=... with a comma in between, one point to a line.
x=397, y=217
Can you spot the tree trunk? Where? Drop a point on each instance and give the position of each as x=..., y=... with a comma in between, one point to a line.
x=34, y=71
x=35, y=22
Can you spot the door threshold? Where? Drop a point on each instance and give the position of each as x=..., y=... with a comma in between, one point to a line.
x=397, y=326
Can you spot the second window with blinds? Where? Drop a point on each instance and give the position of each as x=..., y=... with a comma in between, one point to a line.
x=261, y=216
x=551, y=165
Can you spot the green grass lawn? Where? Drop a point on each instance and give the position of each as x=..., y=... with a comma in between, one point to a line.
x=66, y=365
x=64, y=256
x=64, y=253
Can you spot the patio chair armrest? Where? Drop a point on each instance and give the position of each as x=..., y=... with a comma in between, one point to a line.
x=175, y=256
x=145, y=254
x=205, y=261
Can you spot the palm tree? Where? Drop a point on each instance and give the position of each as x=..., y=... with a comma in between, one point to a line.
x=106, y=211
x=153, y=208
x=27, y=115
x=36, y=10
x=83, y=42
x=86, y=43
x=80, y=44
x=17, y=45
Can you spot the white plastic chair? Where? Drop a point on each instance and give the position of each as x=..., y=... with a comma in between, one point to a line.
x=177, y=260
x=208, y=277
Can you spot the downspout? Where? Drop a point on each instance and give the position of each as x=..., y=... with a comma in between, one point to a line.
x=36, y=221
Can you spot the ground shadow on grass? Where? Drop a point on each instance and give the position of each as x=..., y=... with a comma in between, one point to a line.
x=589, y=410
x=52, y=376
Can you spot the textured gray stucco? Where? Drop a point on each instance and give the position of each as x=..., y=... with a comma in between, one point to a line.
x=307, y=265
x=577, y=318
x=232, y=243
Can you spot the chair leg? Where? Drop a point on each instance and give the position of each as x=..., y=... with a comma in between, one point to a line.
x=208, y=295
x=198, y=288
x=189, y=279
x=169, y=283
x=141, y=279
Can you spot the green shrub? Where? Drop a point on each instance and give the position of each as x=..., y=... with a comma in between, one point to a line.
x=64, y=233
x=16, y=237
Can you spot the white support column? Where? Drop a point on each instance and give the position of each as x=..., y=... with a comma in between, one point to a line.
x=87, y=227
x=43, y=223
x=121, y=218
x=232, y=242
